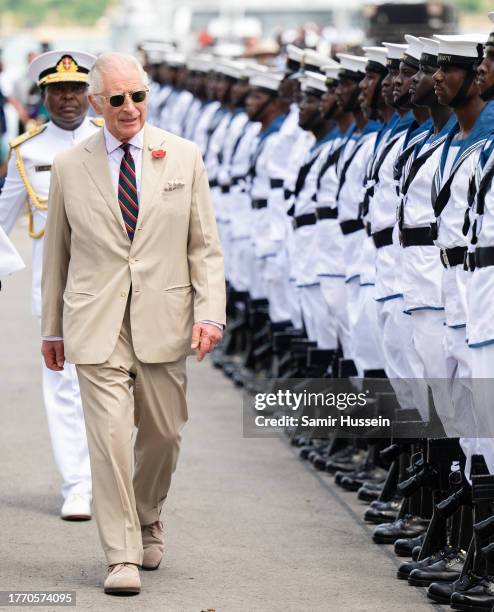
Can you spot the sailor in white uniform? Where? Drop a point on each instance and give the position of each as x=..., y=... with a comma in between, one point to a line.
x=361, y=347
x=319, y=322
x=262, y=104
x=10, y=260
x=63, y=78
x=421, y=267
x=292, y=145
x=455, y=86
x=236, y=128
x=480, y=330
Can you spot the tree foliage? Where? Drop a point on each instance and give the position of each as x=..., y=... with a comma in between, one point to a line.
x=33, y=12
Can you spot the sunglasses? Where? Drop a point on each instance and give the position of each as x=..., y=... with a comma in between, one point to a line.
x=118, y=99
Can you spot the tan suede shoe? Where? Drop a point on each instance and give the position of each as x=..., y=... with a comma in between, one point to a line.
x=152, y=543
x=123, y=579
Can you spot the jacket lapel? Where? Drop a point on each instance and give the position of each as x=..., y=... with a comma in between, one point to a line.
x=152, y=170
x=96, y=163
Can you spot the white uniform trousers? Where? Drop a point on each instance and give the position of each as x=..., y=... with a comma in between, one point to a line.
x=67, y=429
x=294, y=304
x=366, y=346
x=482, y=360
x=278, y=287
x=257, y=285
x=459, y=372
x=240, y=251
x=401, y=362
x=334, y=290
x=319, y=324
x=428, y=333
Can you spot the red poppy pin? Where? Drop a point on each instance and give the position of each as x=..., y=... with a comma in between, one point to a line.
x=158, y=153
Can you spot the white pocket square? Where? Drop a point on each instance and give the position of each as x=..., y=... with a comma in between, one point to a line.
x=175, y=184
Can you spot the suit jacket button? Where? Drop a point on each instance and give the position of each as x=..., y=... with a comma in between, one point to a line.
x=123, y=294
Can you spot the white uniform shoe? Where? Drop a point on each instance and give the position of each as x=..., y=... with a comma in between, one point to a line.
x=76, y=508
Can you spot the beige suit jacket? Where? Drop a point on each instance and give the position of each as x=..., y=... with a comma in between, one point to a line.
x=173, y=268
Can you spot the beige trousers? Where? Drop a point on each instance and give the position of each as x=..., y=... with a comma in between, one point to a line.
x=117, y=396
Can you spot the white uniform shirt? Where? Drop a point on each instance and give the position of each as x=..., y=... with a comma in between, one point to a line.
x=37, y=153
x=215, y=147
x=201, y=134
x=172, y=118
x=480, y=323
x=349, y=199
x=235, y=132
x=10, y=260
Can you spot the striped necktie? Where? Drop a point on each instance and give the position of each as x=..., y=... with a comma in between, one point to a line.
x=127, y=191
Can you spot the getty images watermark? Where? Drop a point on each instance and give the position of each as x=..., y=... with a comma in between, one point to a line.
x=368, y=407
x=305, y=407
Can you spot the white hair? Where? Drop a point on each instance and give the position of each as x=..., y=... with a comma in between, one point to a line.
x=108, y=61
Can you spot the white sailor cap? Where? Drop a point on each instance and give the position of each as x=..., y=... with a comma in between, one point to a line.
x=331, y=73
x=351, y=66
x=61, y=66
x=232, y=68
x=175, y=59
x=395, y=54
x=313, y=83
x=462, y=50
x=413, y=51
x=314, y=61
x=430, y=49
x=156, y=50
x=294, y=56
x=204, y=63
x=265, y=80
x=377, y=58
x=490, y=40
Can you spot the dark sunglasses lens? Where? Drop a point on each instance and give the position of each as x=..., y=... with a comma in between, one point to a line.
x=138, y=96
x=117, y=100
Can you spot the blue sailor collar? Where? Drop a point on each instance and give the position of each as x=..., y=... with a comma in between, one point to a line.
x=402, y=124
x=478, y=135
x=385, y=129
x=432, y=138
x=331, y=135
x=273, y=127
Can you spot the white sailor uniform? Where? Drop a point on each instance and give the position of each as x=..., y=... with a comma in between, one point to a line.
x=28, y=180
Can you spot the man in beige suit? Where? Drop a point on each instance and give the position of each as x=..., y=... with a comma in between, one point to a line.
x=132, y=282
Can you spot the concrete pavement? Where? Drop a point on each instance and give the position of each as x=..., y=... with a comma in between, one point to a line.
x=249, y=527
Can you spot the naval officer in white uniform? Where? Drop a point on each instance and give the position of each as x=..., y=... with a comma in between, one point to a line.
x=62, y=77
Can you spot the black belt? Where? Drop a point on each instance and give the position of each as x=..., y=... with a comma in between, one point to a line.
x=484, y=256
x=225, y=188
x=213, y=183
x=236, y=179
x=452, y=257
x=326, y=212
x=259, y=203
x=416, y=236
x=301, y=220
x=276, y=183
x=351, y=226
x=383, y=238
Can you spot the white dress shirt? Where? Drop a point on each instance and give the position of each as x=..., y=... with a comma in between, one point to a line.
x=115, y=155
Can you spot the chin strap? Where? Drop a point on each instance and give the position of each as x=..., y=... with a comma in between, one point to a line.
x=488, y=94
x=316, y=116
x=262, y=109
x=429, y=96
x=461, y=96
x=404, y=101
x=353, y=104
x=330, y=113
x=374, y=114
